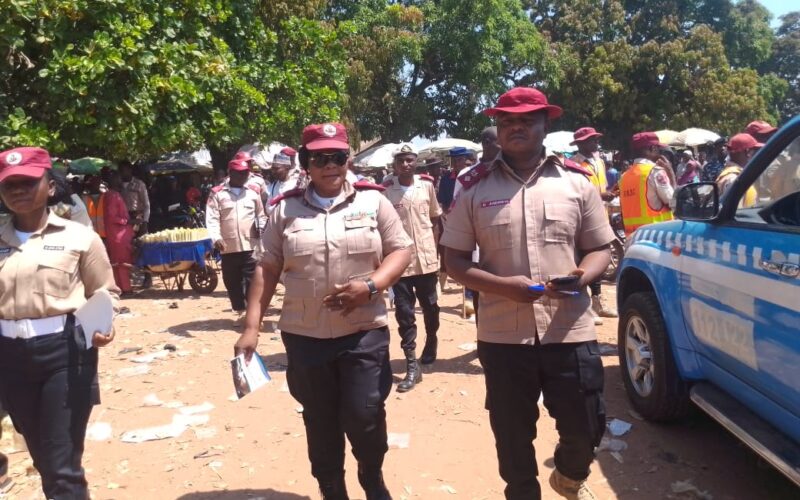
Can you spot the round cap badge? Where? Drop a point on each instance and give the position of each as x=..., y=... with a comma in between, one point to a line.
x=13, y=158
x=329, y=130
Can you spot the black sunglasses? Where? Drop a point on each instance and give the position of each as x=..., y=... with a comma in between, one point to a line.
x=319, y=160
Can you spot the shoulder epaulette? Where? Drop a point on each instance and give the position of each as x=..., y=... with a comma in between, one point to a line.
x=217, y=189
x=426, y=177
x=288, y=194
x=571, y=165
x=360, y=185
x=475, y=175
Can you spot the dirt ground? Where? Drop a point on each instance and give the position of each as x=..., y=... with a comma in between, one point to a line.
x=441, y=445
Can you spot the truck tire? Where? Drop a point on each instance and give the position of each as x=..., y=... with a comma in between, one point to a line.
x=649, y=373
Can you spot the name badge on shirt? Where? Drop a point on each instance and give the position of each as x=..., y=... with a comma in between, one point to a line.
x=54, y=248
x=4, y=251
x=360, y=215
x=495, y=203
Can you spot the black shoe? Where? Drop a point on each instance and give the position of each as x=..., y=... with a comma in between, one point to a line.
x=333, y=489
x=413, y=373
x=372, y=482
x=429, y=351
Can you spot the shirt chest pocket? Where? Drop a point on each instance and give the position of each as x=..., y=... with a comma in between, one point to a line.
x=560, y=222
x=300, y=237
x=56, y=274
x=494, y=228
x=423, y=208
x=361, y=235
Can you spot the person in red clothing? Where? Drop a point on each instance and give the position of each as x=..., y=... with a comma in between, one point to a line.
x=119, y=233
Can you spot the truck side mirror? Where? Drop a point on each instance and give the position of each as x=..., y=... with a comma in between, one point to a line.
x=698, y=201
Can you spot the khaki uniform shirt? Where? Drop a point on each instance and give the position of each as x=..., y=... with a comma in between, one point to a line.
x=135, y=195
x=316, y=249
x=416, y=206
x=536, y=229
x=235, y=219
x=54, y=272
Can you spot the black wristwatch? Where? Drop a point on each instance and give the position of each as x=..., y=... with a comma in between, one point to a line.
x=373, y=290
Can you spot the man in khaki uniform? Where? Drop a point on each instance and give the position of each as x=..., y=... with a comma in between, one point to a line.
x=535, y=218
x=414, y=198
x=234, y=218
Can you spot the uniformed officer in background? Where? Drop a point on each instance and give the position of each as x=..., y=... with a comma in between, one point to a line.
x=235, y=217
x=414, y=198
x=535, y=219
x=646, y=188
x=338, y=246
x=48, y=375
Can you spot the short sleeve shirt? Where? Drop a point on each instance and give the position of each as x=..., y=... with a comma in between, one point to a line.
x=316, y=248
x=416, y=206
x=537, y=229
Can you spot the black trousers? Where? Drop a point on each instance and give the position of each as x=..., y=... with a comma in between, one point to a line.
x=596, y=287
x=342, y=384
x=571, y=377
x=237, y=270
x=406, y=292
x=48, y=385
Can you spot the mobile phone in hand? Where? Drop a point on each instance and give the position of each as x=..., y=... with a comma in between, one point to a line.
x=564, y=281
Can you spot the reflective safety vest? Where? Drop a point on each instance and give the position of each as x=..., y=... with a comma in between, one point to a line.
x=598, y=171
x=636, y=211
x=750, y=196
x=95, y=209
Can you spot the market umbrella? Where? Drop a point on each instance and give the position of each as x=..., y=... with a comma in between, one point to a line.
x=376, y=157
x=694, y=137
x=172, y=167
x=559, y=142
x=89, y=166
x=263, y=154
x=666, y=136
x=446, y=144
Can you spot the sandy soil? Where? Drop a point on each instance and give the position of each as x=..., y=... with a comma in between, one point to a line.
x=255, y=447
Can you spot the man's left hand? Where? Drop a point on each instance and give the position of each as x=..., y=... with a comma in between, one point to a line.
x=554, y=291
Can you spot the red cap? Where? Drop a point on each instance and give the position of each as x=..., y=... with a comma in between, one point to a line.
x=243, y=155
x=583, y=134
x=28, y=162
x=760, y=127
x=238, y=164
x=289, y=151
x=742, y=142
x=523, y=100
x=644, y=140
x=325, y=136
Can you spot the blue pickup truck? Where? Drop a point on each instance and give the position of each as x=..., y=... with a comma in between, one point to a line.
x=710, y=306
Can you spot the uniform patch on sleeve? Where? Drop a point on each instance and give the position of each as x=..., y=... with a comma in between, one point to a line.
x=495, y=203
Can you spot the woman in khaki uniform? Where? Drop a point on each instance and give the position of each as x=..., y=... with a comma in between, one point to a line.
x=338, y=245
x=49, y=266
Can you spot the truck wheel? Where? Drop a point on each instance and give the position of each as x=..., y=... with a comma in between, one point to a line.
x=203, y=280
x=651, y=378
x=617, y=252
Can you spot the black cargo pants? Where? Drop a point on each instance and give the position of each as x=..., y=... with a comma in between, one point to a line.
x=237, y=271
x=342, y=384
x=406, y=292
x=571, y=377
x=48, y=385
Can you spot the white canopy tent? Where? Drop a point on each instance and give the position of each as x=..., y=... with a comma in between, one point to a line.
x=559, y=142
x=262, y=156
x=376, y=157
x=694, y=137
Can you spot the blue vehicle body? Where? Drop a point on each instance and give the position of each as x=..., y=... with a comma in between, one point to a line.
x=732, y=319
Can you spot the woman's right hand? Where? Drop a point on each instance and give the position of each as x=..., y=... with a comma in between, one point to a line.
x=246, y=345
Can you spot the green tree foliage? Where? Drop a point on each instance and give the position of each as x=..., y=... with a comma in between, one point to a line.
x=785, y=61
x=650, y=64
x=123, y=78
x=422, y=67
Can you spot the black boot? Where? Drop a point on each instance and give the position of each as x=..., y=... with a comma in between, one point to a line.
x=333, y=489
x=413, y=373
x=429, y=351
x=372, y=482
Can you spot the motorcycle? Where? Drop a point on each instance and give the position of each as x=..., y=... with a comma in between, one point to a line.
x=618, y=245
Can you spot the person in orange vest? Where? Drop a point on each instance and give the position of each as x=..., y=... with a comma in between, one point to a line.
x=741, y=147
x=588, y=156
x=95, y=206
x=646, y=188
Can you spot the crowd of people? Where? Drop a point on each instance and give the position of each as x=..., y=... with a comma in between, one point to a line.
x=525, y=230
